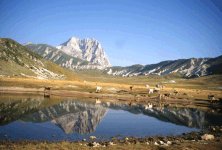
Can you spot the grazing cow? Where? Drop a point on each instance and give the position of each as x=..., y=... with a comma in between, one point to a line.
x=150, y=91
x=130, y=103
x=85, y=82
x=160, y=86
x=167, y=94
x=98, y=89
x=175, y=92
x=98, y=101
x=47, y=91
x=131, y=88
x=211, y=98
x=164, y=96
x=156, y=89
x=148, y=106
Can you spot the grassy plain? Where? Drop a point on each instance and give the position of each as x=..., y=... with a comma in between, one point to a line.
x=196, y=88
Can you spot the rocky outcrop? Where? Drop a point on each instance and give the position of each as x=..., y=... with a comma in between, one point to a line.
x=71, y=116
x=86, y=49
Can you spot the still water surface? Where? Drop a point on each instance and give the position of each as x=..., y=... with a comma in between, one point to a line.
x=36, y=118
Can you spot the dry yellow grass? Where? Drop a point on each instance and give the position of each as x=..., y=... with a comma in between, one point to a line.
x=198, y=88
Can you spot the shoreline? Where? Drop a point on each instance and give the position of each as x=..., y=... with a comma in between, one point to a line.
x=129, y=97
x=193, y=140
x=187, y=141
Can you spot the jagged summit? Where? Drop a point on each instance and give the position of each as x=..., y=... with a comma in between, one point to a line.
x=87, y=49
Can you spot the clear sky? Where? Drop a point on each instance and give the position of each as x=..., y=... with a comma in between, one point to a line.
x=130, y=31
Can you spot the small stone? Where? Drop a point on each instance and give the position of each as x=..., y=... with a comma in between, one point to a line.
x=169, y=142
x=161, y=142
x=92, y=137
x=94, y=144
x=83, y=140
x=147, y=143
x=156, y=144
x=207, y=137
x=111, y=143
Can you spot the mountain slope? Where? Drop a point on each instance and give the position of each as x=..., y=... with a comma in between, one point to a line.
x=86, y=49
x=17, y=60
x=193, y=67
x=59, y=57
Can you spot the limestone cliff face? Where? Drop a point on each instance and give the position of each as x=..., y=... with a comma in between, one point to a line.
x=72, y=116
x=74, y=54
x=86, y=49
x=82, y=122
x=83, y=117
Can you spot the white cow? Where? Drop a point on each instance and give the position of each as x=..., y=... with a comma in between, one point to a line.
x=98, y=101
x=150, y=91
x=156, y=89
x=98, y=89
x=148, y=106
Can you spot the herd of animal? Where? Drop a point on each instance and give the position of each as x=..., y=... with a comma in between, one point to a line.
x=150, y=90
x=157, y=89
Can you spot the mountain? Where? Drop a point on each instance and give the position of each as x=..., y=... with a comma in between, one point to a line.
x=193, y=67
x=88, y=54
x=78, y=116
x=87, y=49
x=61, y=58
x=181, y=116
x=71, y=116
x=17, y=60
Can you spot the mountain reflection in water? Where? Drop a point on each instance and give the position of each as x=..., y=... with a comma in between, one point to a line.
x=83, y=117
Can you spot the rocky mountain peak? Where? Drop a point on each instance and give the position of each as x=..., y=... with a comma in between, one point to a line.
x=87, y=49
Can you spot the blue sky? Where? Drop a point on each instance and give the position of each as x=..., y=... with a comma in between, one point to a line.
x=130, y=31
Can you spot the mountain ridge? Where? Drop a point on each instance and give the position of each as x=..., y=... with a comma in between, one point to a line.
x=192, y=67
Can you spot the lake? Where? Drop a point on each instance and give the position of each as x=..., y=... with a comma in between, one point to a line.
x=31, y=117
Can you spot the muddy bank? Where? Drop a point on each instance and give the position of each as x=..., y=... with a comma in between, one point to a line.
x=122, y=96
x=210, y=138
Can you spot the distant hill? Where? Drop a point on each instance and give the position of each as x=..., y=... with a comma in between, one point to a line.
x=17, y=60
x=193, y=67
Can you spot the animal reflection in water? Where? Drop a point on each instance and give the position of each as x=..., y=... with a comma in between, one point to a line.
x=83, y=117
x=98, y=89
